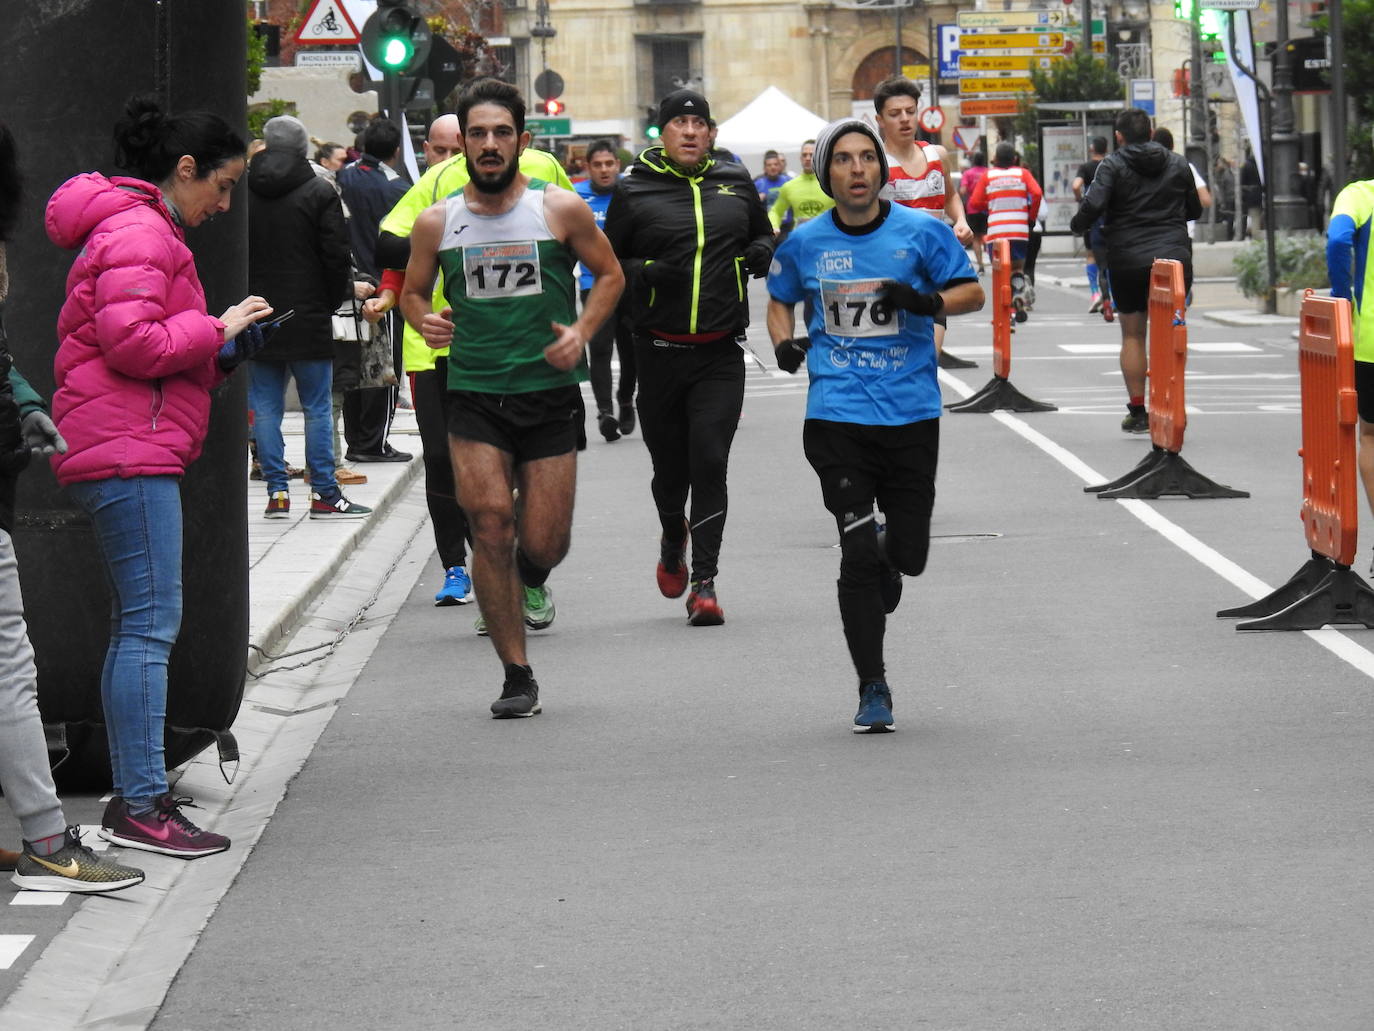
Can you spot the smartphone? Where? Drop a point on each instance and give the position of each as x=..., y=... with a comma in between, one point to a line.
x=279, y=319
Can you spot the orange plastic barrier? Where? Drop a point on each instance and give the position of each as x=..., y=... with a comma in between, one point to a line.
x=1330, y=414
x=1164, y=472
x=1325, y=590
x=1001, y=309
x=1168, y=354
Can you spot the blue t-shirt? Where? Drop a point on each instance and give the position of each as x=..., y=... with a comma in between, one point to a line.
x=598, y=202
x=768, y=188
x=869, y=364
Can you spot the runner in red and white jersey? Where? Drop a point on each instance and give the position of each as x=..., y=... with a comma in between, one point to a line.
x=1013, y=199
x=916, y=174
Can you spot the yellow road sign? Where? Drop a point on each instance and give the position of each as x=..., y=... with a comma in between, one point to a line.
x=916, y=72
x=967, y=85
x=986, y=40
x=1006, y=21
x=1020, y=63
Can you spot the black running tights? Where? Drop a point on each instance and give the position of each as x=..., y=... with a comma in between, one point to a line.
x=690, y=399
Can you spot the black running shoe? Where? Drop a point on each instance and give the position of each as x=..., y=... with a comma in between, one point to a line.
x=519, y=695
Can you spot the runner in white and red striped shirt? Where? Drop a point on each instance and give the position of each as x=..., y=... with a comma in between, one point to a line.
x=1013, y=200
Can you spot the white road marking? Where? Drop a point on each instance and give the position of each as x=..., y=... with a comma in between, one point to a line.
x=12, y=947
x=1332, y=640
x=39, y=898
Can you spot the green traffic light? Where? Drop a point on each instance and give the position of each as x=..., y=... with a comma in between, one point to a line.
x=396, y=52
x=651, y=132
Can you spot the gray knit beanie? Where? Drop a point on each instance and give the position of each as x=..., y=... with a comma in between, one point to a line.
x=825, y=148
x=286, y=133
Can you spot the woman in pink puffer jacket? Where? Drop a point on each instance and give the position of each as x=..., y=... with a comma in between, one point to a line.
x=136, y=362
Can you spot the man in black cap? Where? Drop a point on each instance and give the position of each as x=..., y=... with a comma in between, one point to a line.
x=877, y=274
x=689, y=229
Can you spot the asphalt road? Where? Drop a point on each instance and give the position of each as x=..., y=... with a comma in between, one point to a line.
x=1103, y=807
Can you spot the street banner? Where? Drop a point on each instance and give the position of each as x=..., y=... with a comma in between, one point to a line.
x=1247, y=95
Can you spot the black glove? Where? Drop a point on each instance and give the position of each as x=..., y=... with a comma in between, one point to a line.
x=757, y=257
x=899, y=295
x=237, y=350
x=659, y=274
x=791, y=353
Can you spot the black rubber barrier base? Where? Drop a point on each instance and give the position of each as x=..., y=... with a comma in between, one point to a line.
x=953, y=361
x=998, y=394
x=1164, y=474
x=1322, y=592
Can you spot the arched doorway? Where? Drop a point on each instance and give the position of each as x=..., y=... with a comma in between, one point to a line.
x=878, y=66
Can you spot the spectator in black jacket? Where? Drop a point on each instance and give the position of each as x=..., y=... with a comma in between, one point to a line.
x=689, y=230
x=1147, y=195
x=371, y=190
x=298, y=256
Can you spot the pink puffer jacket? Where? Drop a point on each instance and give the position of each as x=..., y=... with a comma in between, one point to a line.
x=136, y=355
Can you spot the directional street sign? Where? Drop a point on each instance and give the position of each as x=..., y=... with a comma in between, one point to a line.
x=1002, y=21
x=547, y=127
x=967, y=86
x=978, y=108
x=980, y=62
x=982, y=40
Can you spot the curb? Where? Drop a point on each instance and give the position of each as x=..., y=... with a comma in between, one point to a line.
x=283, y=591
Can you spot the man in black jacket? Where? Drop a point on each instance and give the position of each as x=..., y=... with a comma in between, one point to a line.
x=1147, y=195
x=298, y=255
x=689, y=230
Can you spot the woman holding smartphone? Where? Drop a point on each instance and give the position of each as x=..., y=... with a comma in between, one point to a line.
x=137, y=358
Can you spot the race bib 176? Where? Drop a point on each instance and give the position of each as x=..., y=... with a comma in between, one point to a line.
x=852, y=308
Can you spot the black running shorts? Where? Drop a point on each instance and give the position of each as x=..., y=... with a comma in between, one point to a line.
x=1131, y=287
x=540, y=424
x=1364, y=390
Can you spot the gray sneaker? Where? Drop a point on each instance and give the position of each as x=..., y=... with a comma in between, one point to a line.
x=73, y=867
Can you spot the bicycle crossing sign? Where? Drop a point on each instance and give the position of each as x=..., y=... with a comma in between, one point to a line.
x=327, y=22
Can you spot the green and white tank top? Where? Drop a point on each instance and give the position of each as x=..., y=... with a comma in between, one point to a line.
x=506, y=279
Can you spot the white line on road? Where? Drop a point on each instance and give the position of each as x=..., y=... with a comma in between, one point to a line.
x=12, y=946
x=1334, y=641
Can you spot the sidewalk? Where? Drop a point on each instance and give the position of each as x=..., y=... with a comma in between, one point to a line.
x=1215, y=298
x=314, y=587
x=292, y=560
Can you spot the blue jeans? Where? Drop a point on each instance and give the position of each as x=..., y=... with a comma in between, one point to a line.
x=138, y=531
x=267, y=398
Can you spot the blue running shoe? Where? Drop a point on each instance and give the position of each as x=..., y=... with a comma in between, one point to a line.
x=457, y=589
x=875, y=709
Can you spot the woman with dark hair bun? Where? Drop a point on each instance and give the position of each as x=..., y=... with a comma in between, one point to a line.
x=137, y=359
x=53, y=857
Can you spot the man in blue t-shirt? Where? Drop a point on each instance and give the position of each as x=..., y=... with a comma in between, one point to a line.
x=773, y=179
x=876, y=274
x=603, y=172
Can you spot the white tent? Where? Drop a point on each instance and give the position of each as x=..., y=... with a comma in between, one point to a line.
x=771, y=121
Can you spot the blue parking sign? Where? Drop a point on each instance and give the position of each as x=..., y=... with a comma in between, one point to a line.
x=948, y=36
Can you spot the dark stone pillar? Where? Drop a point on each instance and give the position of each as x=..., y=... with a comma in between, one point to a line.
x=68, y=69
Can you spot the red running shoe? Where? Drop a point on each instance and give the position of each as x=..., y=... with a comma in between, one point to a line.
x=164, y=829
x=1108, y=311
x=703, y=608
x=672, y=564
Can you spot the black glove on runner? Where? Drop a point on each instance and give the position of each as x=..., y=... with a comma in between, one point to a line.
x=757, y=257
x=899, y=295
x=791, y=353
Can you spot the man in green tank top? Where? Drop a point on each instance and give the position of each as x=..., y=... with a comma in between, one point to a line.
x=507, y=248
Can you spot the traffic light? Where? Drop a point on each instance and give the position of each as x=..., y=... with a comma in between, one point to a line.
x=651, y=123
x=553, y=106
x=396, y=39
